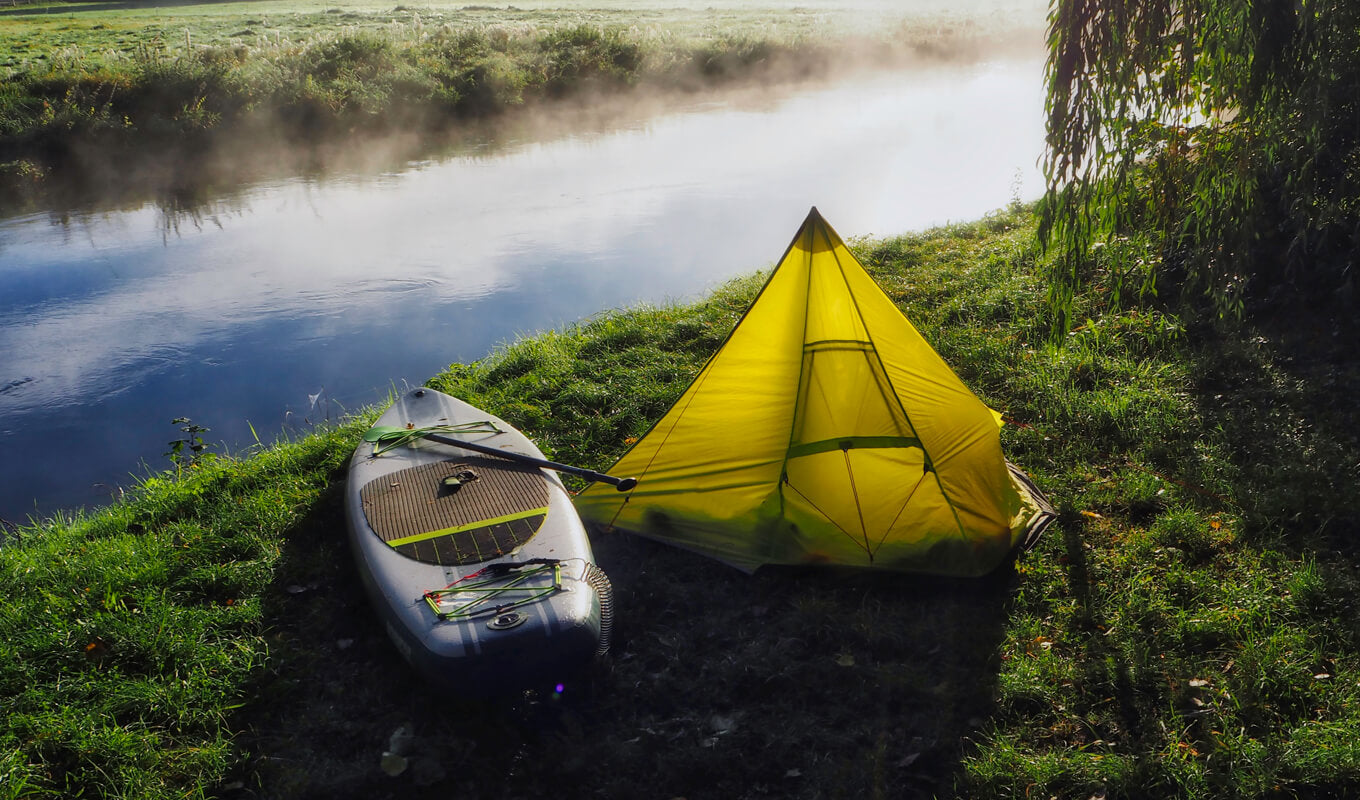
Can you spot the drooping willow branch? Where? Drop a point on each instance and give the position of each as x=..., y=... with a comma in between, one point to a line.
x=1197, y=142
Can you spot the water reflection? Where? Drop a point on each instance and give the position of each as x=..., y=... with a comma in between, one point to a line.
x=112, y=324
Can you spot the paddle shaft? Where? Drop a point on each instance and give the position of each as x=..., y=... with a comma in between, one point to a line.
x=622, y=484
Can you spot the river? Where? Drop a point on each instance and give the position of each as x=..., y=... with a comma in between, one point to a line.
x=287, y=302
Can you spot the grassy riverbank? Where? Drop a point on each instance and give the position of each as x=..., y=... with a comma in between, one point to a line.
x=114, y=101
x=1188, y=629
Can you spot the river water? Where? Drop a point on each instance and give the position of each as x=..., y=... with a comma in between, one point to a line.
x=286, y=302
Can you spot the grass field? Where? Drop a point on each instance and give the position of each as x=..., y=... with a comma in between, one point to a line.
x=34, y=32
x=1188, y=629
x=68, y=30
x=170, y=100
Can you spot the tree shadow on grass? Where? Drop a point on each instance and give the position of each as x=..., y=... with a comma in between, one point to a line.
x=1278, y=424
x=789, y=683
x=1284, y=389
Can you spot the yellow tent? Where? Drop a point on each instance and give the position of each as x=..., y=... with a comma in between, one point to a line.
x=826, y=430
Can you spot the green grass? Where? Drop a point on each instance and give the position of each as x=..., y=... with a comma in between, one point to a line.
x=102, y=99
x=129, y=637
x=1188, y=629
x=42, y=31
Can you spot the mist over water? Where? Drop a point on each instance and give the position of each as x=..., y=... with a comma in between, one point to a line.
x=288, y=301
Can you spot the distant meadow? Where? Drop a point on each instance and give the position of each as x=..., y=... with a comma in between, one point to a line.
x=205, y=93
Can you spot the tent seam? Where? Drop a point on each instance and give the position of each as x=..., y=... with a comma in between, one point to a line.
x=825, y=515
x=859, y=508
x=699, y=379
x=806, y=232
x=896, y=398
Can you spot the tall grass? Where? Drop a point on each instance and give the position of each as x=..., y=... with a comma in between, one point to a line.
x=337, y=81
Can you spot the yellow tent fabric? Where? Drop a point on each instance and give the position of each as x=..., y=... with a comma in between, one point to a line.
x=826, y=430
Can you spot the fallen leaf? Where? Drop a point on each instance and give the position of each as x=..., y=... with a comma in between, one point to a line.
x=845, y=660
x=1039, y=643
x=96, y=649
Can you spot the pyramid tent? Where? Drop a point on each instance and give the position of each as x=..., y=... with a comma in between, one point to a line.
x=826, y=430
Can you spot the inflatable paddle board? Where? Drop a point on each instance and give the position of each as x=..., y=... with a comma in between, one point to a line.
x=477, y=564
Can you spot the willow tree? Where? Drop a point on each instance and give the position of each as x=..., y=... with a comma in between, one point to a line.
x=1204, y=146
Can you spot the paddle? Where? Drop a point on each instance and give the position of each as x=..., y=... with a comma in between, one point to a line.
x=388, y=434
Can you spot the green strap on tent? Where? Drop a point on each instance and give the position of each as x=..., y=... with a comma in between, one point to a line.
x=852, y=442
x=390, y=437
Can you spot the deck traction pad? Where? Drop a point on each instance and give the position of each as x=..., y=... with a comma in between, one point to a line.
x=413, y=501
